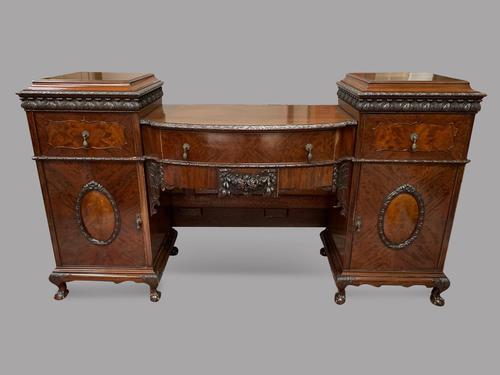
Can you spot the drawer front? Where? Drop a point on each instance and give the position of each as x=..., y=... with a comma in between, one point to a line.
x=416, y=136
x=401, y=216
x=85, y=134
x=94, y=208
x=270, y=147
x=266, y=182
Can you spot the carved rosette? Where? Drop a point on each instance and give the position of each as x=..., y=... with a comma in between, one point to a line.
x=233, y=183
x=403, y=189
x=95, y=186
x=156, y=184
x=340, y=184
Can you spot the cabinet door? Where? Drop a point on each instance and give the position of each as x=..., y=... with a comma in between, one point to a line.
x=401, y=216
x=95, y=208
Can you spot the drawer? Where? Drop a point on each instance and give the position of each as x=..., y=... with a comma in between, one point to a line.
x=73, y=134
x=416, y=136
x=269, y=147
x=218, y=180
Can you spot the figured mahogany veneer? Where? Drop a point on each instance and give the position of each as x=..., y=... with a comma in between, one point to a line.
x=433, y=185
x=437, y=136
x=274, y=147
x=302, y=141
x=62, y=134
x=380, y=172
x=65, y=182
x=270, y=133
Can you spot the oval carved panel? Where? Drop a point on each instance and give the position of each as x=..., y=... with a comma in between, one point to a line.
x=401, y=217
x=97, y=214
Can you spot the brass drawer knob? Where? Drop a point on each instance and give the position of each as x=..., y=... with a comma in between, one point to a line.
x=185, y=149
x=85, y=137
x=414, y=139
x=309, y=149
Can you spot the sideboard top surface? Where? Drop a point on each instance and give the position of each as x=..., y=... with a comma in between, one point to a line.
x=407, y=82
x=234, y=115
x=95, y=82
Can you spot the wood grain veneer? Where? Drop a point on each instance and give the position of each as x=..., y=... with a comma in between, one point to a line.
x=380, y=172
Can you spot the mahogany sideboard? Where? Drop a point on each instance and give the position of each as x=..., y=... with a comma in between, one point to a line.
x=380, y=172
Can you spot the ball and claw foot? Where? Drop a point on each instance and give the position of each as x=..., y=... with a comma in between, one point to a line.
x=61, y=293
x=340, y=297
x=322, y=251
x=174, y=251
x=436, y=298
x=154, y=295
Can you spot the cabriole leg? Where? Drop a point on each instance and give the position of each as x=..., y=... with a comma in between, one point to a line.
x=154, y=293
x=440, y=285
x=340, y=297
x=58, y=280
x=342, y=282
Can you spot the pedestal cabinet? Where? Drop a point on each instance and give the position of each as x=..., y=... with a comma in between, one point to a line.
x=88, y=148
x=380, y=172
x=412, y=139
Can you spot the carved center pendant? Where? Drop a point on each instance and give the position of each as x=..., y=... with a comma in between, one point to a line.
x=261, y=183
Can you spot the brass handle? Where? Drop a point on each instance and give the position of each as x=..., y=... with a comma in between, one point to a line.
x=138, y=221
x=309, y=149
x=185, y=148
x=414, y=139
x=85, y=136
x=357, y=224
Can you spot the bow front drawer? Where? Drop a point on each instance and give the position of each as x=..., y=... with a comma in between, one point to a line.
x=416, y=136
x=62, y=134
x=305, y=147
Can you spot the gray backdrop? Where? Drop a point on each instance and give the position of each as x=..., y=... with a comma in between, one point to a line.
x=247, y=301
